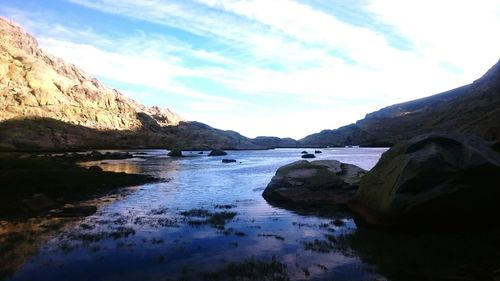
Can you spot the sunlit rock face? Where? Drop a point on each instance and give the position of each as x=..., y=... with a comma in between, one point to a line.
x=48, y=104
x=36, y=84
x=314, y=183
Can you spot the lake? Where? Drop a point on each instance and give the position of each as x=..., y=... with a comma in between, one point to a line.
x=208, y=221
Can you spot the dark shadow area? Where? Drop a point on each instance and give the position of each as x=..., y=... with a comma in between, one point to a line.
x=31, y=185
x=468, y=255
x=47, y=134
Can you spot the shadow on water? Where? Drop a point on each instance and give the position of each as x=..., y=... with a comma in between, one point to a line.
x=472, y=255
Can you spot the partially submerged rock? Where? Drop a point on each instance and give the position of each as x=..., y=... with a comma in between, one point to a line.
x=217, y=152
x=318, y=151
x=308, y=155
x=438, y=179
x=312, y=183
x=228, y=160
x=95, y=168
x=175, y=153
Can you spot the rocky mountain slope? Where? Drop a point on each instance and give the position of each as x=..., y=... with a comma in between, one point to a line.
x=33, y=83
x=474, y=108
x=46, y=103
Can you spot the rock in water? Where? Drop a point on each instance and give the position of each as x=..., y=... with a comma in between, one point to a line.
x=437, y=179
x=217, y=152
x=228, y=160
x=95, y=168
x=312, y=183
x=318, y=151
x=175, y=153
x=308, y=155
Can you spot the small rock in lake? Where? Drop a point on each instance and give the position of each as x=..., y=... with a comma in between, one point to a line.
x=228, y=161
x=304, y=152
x=308, y=155
x=217, y=152
x=95, y=168
x=175, y=153
x=318, y=151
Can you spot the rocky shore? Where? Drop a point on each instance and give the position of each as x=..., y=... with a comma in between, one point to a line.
x=436, y=180
x=33, y=185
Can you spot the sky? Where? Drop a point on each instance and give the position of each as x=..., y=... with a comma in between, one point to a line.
x=269, y=67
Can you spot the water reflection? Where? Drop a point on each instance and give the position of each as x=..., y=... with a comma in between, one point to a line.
x=208, y=219
x=117, y=166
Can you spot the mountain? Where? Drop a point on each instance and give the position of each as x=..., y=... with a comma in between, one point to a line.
x=473, y=108
x=48, y=104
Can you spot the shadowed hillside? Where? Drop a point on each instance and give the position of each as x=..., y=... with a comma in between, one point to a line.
x=474, y=108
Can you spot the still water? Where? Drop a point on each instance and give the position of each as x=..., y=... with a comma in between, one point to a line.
x=208, y=221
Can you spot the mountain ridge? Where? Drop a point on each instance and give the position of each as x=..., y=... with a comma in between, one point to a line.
x=472, y=108
x=48, y=104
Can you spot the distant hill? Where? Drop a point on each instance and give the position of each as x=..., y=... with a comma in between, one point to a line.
x=474, y=108
x=46, y=103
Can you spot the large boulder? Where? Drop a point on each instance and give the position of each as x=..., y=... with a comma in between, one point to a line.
x=437, y=179
x=313, y=183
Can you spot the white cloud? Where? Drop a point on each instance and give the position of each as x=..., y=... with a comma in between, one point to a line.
x=256, y=52
x=462, y=34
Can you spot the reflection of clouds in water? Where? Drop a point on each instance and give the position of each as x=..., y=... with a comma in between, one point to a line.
x=129, y=168
x=200, y=182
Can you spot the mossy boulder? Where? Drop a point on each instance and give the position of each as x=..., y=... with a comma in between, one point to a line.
x=437, y=179
x=312, y=183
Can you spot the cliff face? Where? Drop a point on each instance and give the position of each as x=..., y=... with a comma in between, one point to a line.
x=48, y=104
x=474, y=108
x=33, y=83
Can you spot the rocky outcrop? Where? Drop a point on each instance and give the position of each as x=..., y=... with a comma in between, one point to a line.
x=313, y=183
x=472, y=109
x=217, y=152
x=438, y=179
x=48, y=104
x=33, y=83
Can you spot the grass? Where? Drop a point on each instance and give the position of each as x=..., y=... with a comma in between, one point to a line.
x=277, y=237
x=214, y=219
